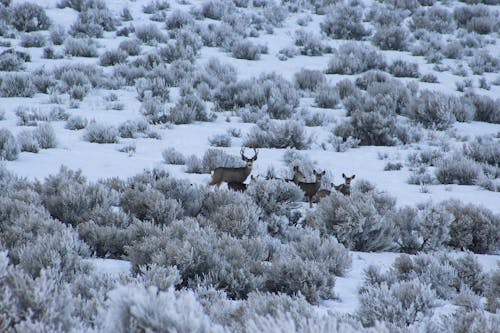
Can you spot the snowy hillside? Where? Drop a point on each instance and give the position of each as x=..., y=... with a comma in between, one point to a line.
x=113, y=115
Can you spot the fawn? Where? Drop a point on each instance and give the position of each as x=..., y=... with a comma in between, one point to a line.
x=345, y=188
x=234, y=175
x=310, y=189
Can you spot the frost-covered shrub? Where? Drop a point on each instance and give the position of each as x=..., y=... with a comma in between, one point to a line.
x=16, y=85
x=483, y=149
x=133, y=128
x=152, y=87
x=352, y=58
x=100, y=133
x=217, y=10
x=11, y=62
x=45, y=136
x=482, y=61
x=291, y=275
x=27, y=141
x=131, y=46
x=76, y=123
x=276, y=134
x=477, y=18
x=185, y=46
x=112, y=57
x=220, y=140
x=29, y=16
x=154, y=6
x=134, y=308
x=402, y=68
x=391, y=38
x=79, y=75
x=274, y=196
x=246, y=49
x=429, y=78
x=271, y=90
x=148, y=204
x=307, y=79
x=309, y=44
x=178, y=19
x=92, y=20
x=486, y=108
x=69, y=198
x=432, y=109
x=154, y=110
x=149, y=34
x=58, y=34
x=457, y=169
x=327, y=96
x=33, y=39
x=80, y=47
x=9, y=148
x=188, y=109
x=401, y=303
x=358, y=221
x=393, y=90
x=344, y=21
x=435, y=18
x=172, y=156
x=492, y=292
x=474, y=227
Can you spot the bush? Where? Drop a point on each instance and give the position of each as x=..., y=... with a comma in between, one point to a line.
x=475, y=18
x=11, y=62
x=327, y=96
x=493, y=291
x=9, y=149
x=217, y=10
x=307, y=79
x=308, y=43
x=16, y=85
x=45, y=136
x=473, y=228
x=80, y=47
x=457, y=169
x=76, y=123
x=29, y=17
x=402, y=68
x=287, y=134
x=131, y=46
x=271, y=90
x=401, y=303
x=432, y=109
x=358, y=221
x=133, y=128
x=246, y=49
x=435, y=18
x=172, y=156
x=220, y=140
x=99, y=133
x=34, y=39
x=113, y=57
x=391, y=38
x=178, y=19
x=152, y=87
x=344, y=21
x=483, y=62
x=352, y=58
x=58, y=34
x=27, y=141
x=149, y=34
x=154, y=110
x=486, y=109
x=188, y=109
x=483, y=149
x=154, y=6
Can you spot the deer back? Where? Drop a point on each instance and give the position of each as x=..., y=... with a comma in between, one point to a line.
x=231, y=175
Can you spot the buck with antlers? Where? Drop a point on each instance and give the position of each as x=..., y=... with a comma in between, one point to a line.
x=234, y=175
x=310, y=189
x=345, y=188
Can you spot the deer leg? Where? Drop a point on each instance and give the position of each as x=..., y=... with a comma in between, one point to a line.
x=310, y=202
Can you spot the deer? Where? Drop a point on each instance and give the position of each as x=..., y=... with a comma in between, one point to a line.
x=298, y=176
x=310, y=189
x=323, y=193
x=239, y=187
x=345, y=188
x=234, y=175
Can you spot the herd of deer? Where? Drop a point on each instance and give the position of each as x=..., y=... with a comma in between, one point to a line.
x=235, y=177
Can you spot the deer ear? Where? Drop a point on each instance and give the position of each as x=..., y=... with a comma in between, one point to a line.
x=314, y=172
x=324, y=172
x=343, y=175
x=353, y=176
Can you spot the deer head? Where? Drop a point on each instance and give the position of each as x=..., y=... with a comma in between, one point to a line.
x=347, y=180
x=248, y=161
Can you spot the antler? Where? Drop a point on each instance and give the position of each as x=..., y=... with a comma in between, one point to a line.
x=255, y=154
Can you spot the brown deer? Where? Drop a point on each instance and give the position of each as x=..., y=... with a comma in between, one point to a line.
x=310, y=189
x=234, y=175
x=345, y=188
x=239, y=187
x=323, y=193
x=298, y=176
